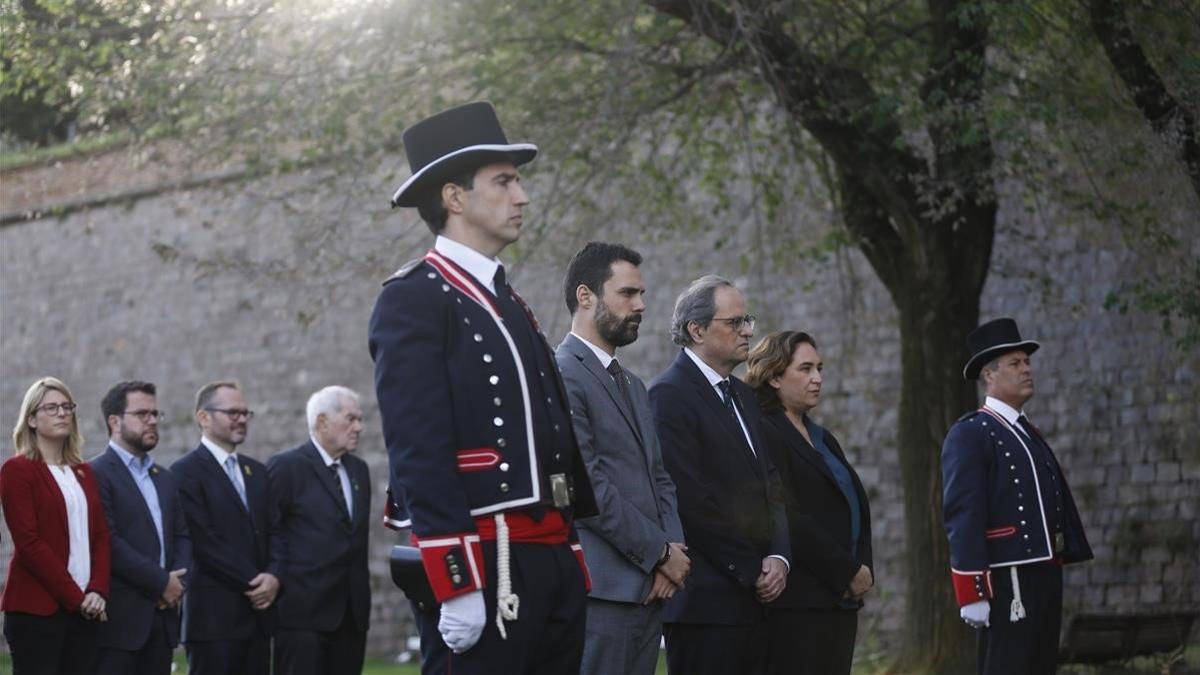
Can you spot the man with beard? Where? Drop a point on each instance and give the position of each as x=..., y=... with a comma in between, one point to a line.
x=321, y=502
x=634, y=547
x=229, y=618
x=151, y=550
x=729, y=499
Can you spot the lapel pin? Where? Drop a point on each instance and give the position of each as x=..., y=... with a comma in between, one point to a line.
x=246, y=469
x=154, y=469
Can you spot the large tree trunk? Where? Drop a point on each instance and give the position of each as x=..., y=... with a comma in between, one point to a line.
x=933, y=330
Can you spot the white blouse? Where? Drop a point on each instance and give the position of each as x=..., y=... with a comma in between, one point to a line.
x=79, y=565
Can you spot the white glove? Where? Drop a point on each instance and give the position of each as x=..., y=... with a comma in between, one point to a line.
x=463, y=618
x=976, y=614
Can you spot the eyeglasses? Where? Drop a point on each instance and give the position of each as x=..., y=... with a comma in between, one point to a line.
x=54, y=409
x=736, y=322
x=146, y=416
x=234, y=413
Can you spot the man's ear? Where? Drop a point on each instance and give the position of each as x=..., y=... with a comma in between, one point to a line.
x=696, y=331
x=584, y=296
x=452, y=197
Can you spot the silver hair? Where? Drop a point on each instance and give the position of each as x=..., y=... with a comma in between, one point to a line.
x=697, y=303
x=327, y=401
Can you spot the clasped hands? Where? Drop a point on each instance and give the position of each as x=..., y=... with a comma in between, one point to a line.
x=172, y=595
x=669, y=576
x=92, y=607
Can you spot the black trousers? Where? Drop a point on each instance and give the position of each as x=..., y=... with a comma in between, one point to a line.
x=312, y=652
x=248, y=656
x=154, y=657
x=1028, y=646
x=547, y=637
x=714, y=649
x=811, y=641
x=60, y=644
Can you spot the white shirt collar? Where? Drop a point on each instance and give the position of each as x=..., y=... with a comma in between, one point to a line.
x=605, y=357
x=714, y=378
x=475, y=263
x=217, y=451
x=325, y=457
x=1006, y=411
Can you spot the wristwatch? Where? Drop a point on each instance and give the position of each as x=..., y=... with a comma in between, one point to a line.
x=665, y=556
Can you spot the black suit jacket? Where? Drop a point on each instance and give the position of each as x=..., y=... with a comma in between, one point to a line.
x=138, y=580
x=230, y=547
x=324, y=548
x=728, y=497
x=818, y=518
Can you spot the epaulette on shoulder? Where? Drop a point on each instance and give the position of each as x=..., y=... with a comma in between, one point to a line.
x=406, y=269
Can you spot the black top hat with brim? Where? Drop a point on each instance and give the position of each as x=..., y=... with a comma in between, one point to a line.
x=452, y=142
x=992, y=339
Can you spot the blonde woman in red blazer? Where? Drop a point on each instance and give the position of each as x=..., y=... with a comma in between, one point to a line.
x=58, y=576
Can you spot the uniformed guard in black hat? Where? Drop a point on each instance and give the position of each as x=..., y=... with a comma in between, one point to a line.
x=1010, y=518
x=484, y=464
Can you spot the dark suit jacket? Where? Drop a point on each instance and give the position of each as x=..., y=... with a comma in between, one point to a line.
x=36, y=513
x=324, y=549
x=728, y=497
x=634, y=492
x=230, y=547
x=818, y=518
x=137, y=578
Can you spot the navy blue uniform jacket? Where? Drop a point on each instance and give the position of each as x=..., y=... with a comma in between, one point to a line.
x=729, y=499
x=457, y=418
x=138, y=580
x=229, y=546
x=992, y=506
x=324, y=549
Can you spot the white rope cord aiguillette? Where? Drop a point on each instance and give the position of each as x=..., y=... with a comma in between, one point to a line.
x=507, y=602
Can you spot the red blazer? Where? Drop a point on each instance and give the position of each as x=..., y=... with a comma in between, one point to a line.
x=36, y=513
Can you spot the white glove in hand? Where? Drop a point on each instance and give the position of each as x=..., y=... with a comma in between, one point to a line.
x=462, y=622
x=976, y=614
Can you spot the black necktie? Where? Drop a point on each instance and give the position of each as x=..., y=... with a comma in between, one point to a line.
x=618, y=374
x=1025, y=425
x=727, y=398
x=500, y=282
x=333, y=471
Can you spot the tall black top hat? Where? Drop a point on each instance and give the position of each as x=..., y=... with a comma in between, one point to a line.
x=996, y=337
x=454, y=141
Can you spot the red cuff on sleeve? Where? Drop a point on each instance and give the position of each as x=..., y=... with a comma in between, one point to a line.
x=577, y=549
x=453, y=563
x=971, y=586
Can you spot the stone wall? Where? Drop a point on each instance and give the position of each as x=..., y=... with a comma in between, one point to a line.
x=272, y=283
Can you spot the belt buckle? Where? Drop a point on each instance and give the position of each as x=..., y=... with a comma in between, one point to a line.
x=1060, y=542
x=560, y=490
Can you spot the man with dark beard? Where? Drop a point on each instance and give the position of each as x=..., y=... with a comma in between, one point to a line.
x=151, y=549
x=634, y=547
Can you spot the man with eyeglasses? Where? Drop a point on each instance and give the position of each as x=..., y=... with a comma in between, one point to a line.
x=150, y=555
x=230, y=616
x=708, y=424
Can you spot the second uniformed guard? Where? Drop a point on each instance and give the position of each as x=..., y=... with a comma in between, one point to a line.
x=484, y=464
x=1009, y=516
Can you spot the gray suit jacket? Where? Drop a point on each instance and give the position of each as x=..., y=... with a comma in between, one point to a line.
x=634, y=492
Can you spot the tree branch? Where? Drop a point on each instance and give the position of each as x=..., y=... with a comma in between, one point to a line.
x=1174, y=123
x=833, y=103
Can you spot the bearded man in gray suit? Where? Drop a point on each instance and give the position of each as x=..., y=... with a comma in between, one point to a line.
x=634, y=547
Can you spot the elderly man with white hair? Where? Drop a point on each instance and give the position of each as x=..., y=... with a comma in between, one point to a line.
x=321, y=498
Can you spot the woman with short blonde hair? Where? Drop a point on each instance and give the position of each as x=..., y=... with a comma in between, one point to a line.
x=59, y=573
